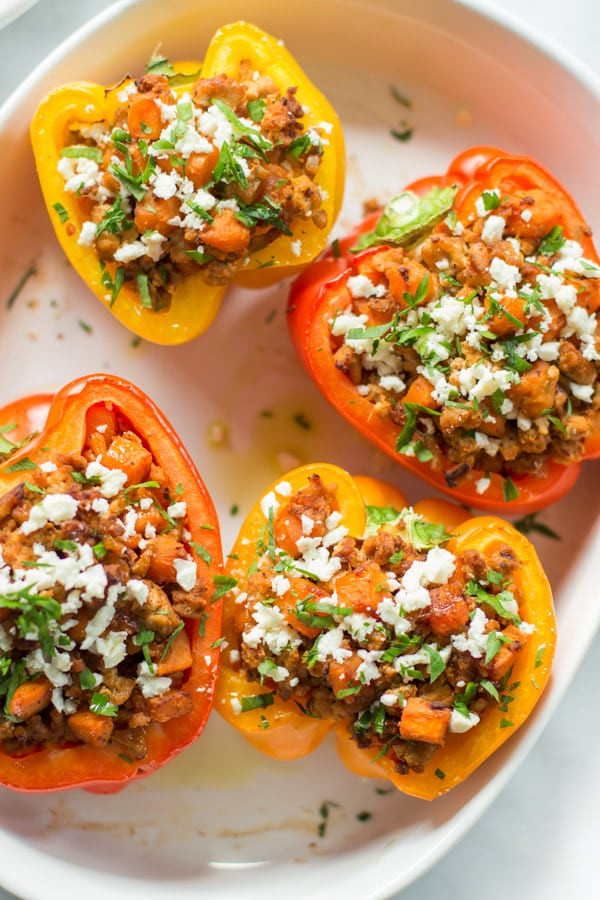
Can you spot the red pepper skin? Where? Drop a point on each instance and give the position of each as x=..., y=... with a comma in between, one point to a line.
x=315, y=298
x=27, y=415
x=83, y=766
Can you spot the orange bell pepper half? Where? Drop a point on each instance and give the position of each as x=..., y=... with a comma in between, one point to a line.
x=283, y=723
x=321, y=293
x=194, y=299
x=82, y=412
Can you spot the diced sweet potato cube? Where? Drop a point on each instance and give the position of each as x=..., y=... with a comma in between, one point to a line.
x=178, y=657
x=91, y=728
x=127, y=453
x=30, y=698
x=171, y=705
x=421, y=721
x=507, y=654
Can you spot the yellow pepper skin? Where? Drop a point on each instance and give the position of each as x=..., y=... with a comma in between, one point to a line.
x=194, y=303
x=291, y=734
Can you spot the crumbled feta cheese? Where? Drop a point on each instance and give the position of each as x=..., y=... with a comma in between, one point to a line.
x=112, y=481
x=482, y=485
x=128, y=252
x=54, y=508
x=48, y=466
x=186, y=573
x=100, y=505
x=505, y=276
x=493, y=229
x=177, y=510
x=307, y=524
x=460, y=723
x=474, y=642
x=270, y=629
x=583, y=392
x=138, y=590
x=284, y=488
x=269, y=502
x=280, y=585
x=362, y=287
x=87, y=235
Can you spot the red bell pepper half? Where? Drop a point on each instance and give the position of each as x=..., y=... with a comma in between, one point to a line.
x=320, y=293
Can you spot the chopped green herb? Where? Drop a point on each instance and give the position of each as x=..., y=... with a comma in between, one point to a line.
x=76, y=152
x=257, y=701
x=22, y=282
x=256, y=109
x=324, y=814
x=202, y=552
x=202, y=624
x=409, y=217
x=160, y=65
x=144, y=290
x=552, y=243
x=87, y=681
x=491, y=200
x=302, y=422
x=531, y=523
x=509, y=490
x=85, y=326
x=62, y=212
x=100, y=550
x=404, y=135
x=506, y=723
x=335, y=249
x=22, y=465
x=223, y=584
x=364, y=816
x=101, y=705
x=436, y=663
x=439, y=774
x=399, y=97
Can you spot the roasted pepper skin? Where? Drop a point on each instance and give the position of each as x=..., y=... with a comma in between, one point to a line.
x=194, y=303
x=291, y=734
x=314, y=300
x=83, y=766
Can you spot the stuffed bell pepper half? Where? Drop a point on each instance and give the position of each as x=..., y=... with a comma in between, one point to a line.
x=164, y=189
x=458, y=331
x=423, y=637
x=110, y=564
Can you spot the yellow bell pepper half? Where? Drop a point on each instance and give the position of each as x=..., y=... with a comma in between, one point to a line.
x=194, y=302
x=283, y=730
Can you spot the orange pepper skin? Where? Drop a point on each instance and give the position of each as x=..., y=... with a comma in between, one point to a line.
x=194, y=302
x=319, y=293
x=83, y=766
x=292, y=734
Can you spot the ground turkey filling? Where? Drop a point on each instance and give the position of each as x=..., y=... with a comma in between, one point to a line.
x=390, y=633
x=96, y=576
x=481, y=342
x=194, y=180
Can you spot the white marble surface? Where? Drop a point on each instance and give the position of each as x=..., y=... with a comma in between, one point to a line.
x=541, y=838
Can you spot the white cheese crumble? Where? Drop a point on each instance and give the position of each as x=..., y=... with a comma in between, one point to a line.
x=112, y=481
x=460, y=723
x=54, y=508
x=186, y=573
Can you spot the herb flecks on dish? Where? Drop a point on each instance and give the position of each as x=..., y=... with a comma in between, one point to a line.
x=195, y=179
